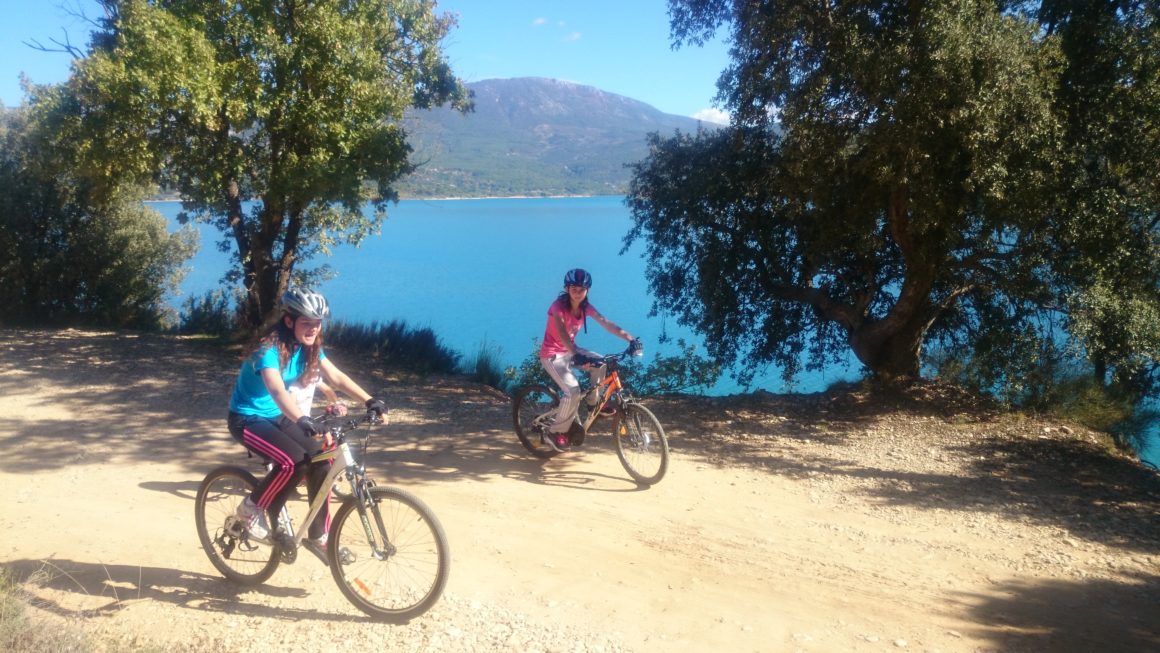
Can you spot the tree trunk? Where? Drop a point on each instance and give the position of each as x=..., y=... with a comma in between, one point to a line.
x=890, y=354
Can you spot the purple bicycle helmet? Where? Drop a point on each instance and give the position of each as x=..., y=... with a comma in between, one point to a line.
x=578, y=277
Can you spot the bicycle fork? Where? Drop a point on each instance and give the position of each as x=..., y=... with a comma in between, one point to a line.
x=381, y=547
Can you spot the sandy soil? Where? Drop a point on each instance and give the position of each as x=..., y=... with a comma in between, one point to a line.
x=786, y=523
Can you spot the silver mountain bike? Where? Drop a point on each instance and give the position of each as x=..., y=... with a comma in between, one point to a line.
x=386, y=549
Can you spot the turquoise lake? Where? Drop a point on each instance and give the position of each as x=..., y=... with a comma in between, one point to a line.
x=481, y=273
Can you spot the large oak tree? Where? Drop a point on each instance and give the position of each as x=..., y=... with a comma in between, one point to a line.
x=898, y=172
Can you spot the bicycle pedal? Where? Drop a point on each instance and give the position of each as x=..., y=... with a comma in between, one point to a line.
x=319, y=552
x=576, y=435
x=286, y=544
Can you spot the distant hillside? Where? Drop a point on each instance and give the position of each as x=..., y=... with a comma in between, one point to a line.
x=532, y=136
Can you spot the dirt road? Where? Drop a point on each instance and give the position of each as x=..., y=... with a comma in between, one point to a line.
x=816, y=523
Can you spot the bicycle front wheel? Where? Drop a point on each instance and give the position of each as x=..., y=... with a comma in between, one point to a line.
x=529, y=406
x=641, y=444
x=231, y=551
x=398, y=570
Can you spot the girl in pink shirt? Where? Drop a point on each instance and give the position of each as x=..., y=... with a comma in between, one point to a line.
x=565, y=317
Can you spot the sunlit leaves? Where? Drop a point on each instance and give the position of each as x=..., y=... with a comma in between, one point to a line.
x=293, y=106
x=937, y=170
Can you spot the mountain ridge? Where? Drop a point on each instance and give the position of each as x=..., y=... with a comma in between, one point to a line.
x=533, y=137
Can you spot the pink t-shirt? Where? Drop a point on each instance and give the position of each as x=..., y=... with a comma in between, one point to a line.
x=552, y=343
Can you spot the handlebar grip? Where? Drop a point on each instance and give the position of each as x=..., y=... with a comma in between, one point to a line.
x=636, y=347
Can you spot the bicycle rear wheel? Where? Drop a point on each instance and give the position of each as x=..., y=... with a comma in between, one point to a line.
x=398, y=571
x=528, y=407
x=235, y=555
x=641, y=444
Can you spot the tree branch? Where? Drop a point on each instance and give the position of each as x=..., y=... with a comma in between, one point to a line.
x=61, y=46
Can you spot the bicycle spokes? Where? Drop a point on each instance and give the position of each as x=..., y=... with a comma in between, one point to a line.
x=391, y=562
x=641, y=444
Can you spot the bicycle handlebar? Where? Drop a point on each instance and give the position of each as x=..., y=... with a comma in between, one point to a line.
x=346, y=422
x=635, y=348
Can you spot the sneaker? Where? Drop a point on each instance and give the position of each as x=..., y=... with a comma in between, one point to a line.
x=557, y=441
x=253, y=519
x=316, y=545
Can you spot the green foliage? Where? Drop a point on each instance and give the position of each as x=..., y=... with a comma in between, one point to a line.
x=901, y=174
x=395, y=346
x=684, y=372
x=1120, y=330
x=1022, y=368
x=485, y=368
x=76, y=254
x=1084, y=401
x=1107, y=245
x=295, y=108
x=215, y=313
x=530, y=370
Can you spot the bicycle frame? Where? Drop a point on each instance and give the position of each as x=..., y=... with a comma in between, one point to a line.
x=612, y=384
x=342, y=459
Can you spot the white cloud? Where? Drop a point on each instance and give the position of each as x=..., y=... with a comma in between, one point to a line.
x=715, y=116
x=539, y=21
x=574, y=36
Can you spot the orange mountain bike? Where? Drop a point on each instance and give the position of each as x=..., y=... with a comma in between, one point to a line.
x=641, y=444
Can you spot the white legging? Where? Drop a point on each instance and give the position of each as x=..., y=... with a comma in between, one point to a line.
x=559, y=367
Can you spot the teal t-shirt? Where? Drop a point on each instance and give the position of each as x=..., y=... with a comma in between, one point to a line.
x=250, y=395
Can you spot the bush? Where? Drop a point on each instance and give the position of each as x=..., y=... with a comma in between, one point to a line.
x=683, y=372
x=1084, y=401
x=395, y=346
x=485, y=368
x=528, y=371
x=75, y=252
x=216, y=313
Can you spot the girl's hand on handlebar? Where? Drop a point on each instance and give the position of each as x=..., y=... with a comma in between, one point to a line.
x=377, y=408
x=307, y=424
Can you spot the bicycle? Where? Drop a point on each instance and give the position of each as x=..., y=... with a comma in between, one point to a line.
x=387, y=551
x=641, y=444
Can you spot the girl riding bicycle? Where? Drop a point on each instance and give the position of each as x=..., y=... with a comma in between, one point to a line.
x=266, y=418
x=558, y=352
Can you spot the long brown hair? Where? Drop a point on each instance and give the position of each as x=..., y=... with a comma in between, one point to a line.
x=282, y=337
x=565, y=301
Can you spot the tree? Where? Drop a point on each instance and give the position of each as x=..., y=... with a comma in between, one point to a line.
x=892, y=174
x=73, y=255
x=276, y=120
x=1109, y=100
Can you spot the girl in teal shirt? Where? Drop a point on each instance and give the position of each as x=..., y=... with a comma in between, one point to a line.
x=267, y=420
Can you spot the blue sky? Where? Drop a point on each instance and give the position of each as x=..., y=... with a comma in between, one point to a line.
x=619, y=46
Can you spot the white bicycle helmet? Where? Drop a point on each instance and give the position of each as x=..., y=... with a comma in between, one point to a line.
x=305, y=303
